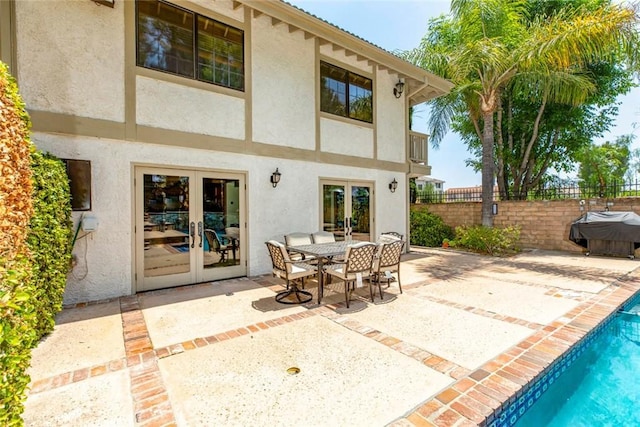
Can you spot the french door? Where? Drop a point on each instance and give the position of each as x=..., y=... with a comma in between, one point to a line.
x=347, y=208
x=190, y=227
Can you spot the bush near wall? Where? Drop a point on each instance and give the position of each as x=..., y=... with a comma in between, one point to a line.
x=50, y=237
x=428, y=229
x=491, y=241
x=17, y=312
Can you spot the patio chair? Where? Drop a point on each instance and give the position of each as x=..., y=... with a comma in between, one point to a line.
x=357, y=265
x=296, y=239
x=323, y=237
x=387, y=262
x=215, y=244
x=290, y=271
x=391, y=234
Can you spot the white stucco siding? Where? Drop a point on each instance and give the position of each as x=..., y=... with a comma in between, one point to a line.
x=167, y=105
x=223, y=7
x=350, y=139
x=390, y=119
x=62, y=70
x=283, y=86
x=340, y=56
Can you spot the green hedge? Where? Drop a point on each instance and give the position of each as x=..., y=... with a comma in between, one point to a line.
x=17, y=337
x=17, y=311
x=428, y=229
x=35, y=247
x=50, y=237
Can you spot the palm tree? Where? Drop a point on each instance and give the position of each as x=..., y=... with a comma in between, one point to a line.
x=485, y=46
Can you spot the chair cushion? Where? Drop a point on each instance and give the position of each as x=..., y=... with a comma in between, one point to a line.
x=323, y=237
x=296, y=239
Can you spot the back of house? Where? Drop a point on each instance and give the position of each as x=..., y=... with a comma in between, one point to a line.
x=194, y=131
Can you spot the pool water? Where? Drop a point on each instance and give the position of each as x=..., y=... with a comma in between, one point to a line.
x=602, y=387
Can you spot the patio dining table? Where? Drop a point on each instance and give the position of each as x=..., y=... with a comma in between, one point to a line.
x=323, y=252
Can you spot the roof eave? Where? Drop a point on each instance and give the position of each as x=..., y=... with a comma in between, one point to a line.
x=281, y=11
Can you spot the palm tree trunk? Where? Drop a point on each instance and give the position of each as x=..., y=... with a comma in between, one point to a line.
x=487, y=169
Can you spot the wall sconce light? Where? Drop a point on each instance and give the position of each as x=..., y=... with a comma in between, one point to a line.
x=275, y=178
x=110, y=3
x=398, y=89
x=393, y=185
x=494, y=209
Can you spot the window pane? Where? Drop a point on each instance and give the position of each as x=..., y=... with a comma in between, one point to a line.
x=165, y=38
x=220, y=54
x=333, y=90
x=360, y=98
x=345, y=93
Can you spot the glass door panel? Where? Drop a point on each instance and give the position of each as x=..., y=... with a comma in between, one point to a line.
x=165, y=224
x=360, y=222
x=333, y=210
x=221, y=203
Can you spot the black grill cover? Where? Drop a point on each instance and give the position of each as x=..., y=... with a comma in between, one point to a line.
x=616, y=226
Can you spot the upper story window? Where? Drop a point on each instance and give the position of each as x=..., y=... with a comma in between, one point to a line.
x=178, y=41
x=345, y=93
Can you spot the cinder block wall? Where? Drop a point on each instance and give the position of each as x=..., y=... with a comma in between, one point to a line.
x=544, y=224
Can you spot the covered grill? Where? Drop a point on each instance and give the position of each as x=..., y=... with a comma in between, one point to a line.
x=607, y=233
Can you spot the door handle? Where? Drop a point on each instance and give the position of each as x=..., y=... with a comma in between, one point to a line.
x=192, y=232
x=200, y=233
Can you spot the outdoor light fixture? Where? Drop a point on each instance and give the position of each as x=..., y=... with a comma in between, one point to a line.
x=275, y=178
x=110, y=3
x=393, y=185
x=398, y=89
x=494, y=209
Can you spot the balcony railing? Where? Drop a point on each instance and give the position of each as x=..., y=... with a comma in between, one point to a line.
x=418, y=147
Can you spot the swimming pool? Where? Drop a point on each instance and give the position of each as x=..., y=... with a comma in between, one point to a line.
x=594, y=384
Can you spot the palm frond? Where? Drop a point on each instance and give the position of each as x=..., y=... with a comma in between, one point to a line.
x=560, y=86
x=441, y=111
x=573, y=38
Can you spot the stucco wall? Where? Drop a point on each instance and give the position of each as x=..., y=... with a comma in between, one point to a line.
x=222, y=7
x=351, y=61
x=60, y=68
x=544, y=224
x=188, y=109
x=283, y=86
x=340, y=137
x=390, y=119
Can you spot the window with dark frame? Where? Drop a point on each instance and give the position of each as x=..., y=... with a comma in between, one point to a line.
x=345, y=93
x=181, y=42
x=79, y=174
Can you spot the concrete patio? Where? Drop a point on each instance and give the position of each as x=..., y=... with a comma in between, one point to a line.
x=467, y=333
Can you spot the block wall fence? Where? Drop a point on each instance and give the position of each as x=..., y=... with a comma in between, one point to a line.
x=544, y=224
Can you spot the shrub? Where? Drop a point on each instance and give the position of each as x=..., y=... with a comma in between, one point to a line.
x=428, y=229
x=17, y=313
x=49, y=238
x=492, y=241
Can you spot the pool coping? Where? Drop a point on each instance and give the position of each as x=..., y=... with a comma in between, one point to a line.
x=492, y=394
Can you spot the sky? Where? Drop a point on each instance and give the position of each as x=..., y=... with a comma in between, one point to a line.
x=400, y=25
